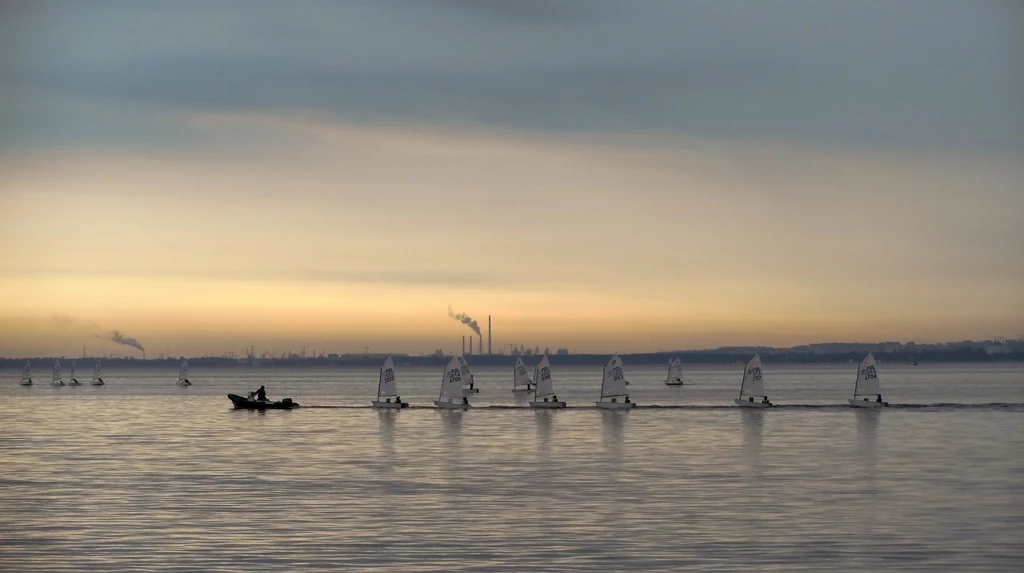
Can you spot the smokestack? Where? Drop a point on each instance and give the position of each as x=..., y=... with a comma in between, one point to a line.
x=488, y=334
x=471, y=344
x=481, y=347
x=463, y=344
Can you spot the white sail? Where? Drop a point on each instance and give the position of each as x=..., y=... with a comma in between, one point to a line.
x=753, y=378
x=26, y=374
x=467, y=375
x=675, y=371
x=867, y=378
x=544, y=385
x=183, y=372
x=451, y=383
x=520, y=378
x=58, y=380
x=614, y=381
x=387, y=385
x=97, y=374
x=73, y=372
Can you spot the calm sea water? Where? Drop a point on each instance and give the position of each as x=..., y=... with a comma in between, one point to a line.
x=142, y=475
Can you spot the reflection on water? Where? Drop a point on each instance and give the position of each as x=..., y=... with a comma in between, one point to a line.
x=753, y=430
x=542, y=420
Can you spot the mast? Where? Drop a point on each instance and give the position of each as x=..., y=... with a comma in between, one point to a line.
x=380, y=382
x=856, y=381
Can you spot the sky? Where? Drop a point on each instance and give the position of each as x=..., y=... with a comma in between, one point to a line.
x=599, y=175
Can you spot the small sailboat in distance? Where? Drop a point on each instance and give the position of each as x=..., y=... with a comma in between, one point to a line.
x=520, y=379
x=58, y=379
x=675, y=373
x=613, y=387
x=387, y=387
x=74, y=381
x=544, y=387
x=452, y=395
x=26, y=374
x=469, y=383
x=866, y=390
x=752, y=386
x=97, y=374
x=183, y=374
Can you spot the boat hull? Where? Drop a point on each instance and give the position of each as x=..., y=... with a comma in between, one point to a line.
x=615, y=405
x=673, y=382
x=243, y=403
x=748, y=404
x=74, y=383
x=470, y=391
x=520, y=390
x=547, y=405
x=98, y=383
x=867, y=404
x=389, y=405
x=56, y=384
x=184, y=383
x=444, y=405
x=28, y=383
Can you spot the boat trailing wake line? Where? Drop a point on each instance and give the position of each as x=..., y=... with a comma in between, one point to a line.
x=1007, y=406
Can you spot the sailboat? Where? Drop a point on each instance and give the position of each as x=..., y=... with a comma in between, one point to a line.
x=387, y=387
x=58, y=380
x=520, y=379
x=752, y=386
x=452, y=395
x=613, y=386
x=544, y=387
x=675, y=373
x=97, y=374
x=866, y=391
x=26, y=374
x=469, y=383
x=74, y=381
x=183, y=374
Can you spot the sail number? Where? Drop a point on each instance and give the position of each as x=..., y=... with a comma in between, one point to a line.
x=756, y=374
x=521, y=370
x=454, y=377
x=389, y=376
x=869, y=373
x=617, y=374
x=545, y=373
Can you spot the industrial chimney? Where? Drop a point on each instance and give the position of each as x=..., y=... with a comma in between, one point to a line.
x=488, y=334
x=463, y=344
x=470, y=344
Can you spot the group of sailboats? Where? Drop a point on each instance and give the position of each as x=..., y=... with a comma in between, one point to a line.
x=867, y=392
x=58, y=377
x=97, y=375
x=458, y=384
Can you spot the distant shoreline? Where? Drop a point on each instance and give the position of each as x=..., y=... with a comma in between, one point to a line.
x=769, y=356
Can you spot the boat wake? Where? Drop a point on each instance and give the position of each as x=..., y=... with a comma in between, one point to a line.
x=937, y=407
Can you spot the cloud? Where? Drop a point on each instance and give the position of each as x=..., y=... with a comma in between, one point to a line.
x=914, y=73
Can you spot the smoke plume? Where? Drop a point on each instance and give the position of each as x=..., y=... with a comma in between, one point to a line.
x=72, y=323
x=465, y=319
x=116, y=336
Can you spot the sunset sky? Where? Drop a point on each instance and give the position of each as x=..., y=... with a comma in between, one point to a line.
x=596, y=174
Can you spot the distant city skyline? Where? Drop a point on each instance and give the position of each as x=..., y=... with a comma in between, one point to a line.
x=597, y=175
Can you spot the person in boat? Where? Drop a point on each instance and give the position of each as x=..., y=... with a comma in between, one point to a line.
x=398, y=399
x=465, y=400
x=261, y=394
x=764, y=400
x=627, y=399
x=554, y=398
x=879, y=399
